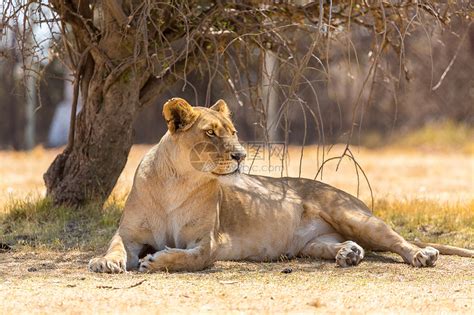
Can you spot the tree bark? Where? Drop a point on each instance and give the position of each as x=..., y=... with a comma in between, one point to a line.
x=89, y=170
x=116, y=82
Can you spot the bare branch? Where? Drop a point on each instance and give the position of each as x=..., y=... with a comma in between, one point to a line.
x=117, y=12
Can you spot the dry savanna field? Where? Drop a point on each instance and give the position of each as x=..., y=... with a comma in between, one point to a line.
x=423, y=192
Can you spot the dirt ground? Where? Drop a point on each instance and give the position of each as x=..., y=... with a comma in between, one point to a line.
x=49, y=282
x=53, y=282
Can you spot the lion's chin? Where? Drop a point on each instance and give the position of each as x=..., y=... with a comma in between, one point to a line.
x=236, y=170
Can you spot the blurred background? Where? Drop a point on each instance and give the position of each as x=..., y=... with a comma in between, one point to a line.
x=432, y=87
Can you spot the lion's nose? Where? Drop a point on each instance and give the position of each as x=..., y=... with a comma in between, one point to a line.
x=238, y=156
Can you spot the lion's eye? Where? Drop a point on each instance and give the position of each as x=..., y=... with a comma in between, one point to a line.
x=210, y=133
x=234, y=132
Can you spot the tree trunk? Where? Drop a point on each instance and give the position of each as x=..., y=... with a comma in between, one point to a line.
x=114, y=78
x=89, y=170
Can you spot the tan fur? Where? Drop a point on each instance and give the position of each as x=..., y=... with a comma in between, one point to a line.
x=192, y=206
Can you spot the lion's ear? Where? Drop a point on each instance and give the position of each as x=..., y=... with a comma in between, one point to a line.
x=178, y=114
x=221, y=107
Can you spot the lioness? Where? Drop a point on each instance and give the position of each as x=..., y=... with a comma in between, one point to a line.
x=192, y=206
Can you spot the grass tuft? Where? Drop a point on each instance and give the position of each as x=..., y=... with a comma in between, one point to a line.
x=430, y=221
x=39, y=224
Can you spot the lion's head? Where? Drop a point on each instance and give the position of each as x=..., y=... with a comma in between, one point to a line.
x=206, y=137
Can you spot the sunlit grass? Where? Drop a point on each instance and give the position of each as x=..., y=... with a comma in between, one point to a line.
x=435, y=136
x=440, y=136
x=429, y=220
x=39, y=224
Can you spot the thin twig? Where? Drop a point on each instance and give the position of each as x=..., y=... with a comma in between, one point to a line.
x=452, y=59
x=119, y=288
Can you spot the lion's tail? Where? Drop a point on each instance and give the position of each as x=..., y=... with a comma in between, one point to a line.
x=446, y=249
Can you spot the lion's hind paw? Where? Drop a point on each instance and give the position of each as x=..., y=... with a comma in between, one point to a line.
x=425, y=257
x=145, y=263
x=349, y=255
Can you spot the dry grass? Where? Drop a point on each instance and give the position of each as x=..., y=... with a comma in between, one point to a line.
x=39, y=225
x=445, y=136
x=431, y=221
x=429, y=196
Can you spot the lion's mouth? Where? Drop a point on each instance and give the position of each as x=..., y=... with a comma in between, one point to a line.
x=235, y=170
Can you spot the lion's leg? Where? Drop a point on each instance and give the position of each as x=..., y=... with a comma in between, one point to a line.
x=370, y=231
x=174, y=259
x=122, y=255
x=332, y=246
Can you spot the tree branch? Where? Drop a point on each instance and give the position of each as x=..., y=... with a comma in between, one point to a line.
x=117, y=12
x=154, y=86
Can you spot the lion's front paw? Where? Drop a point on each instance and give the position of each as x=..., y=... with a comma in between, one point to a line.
x=425, y=257
x=349, y=255
x=107, y=265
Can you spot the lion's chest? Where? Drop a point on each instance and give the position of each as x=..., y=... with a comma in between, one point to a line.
x=184, y=219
